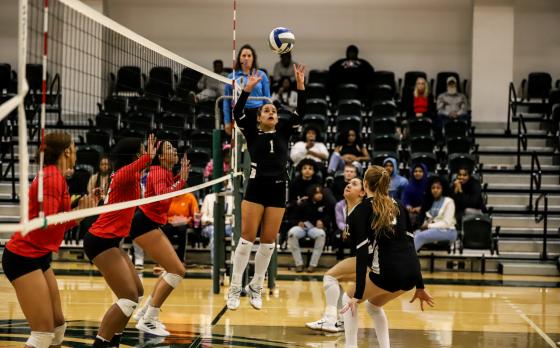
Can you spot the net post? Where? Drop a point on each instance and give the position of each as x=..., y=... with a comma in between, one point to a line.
x=219, y=223
x=22, y=120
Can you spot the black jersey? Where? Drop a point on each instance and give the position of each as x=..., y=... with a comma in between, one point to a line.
x=389, y=256
x=269, y=150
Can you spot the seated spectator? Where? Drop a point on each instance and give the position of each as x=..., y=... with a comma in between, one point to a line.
x=207, y=217
x=286, y=97
x=350, y=70
x=340, y=182
x=439, y=224
x=467, y=194
x=313, y=218
x=100, y=180
x=284, y=67
x=421, y=103
x=210, y=88
x=398, y=183
x=452, y=104
x=180, y=216
x=305, y=178
x=415, y=192
x=353, y=194
x=310, y=146
x=349, y=150
x=226, y=158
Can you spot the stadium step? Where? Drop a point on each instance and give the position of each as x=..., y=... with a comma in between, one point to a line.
x=517, y=232
x=523, y=221
x=528, y=245
x=510, y=209
x=9, y=209
x=519, y=179
x=522, y=268
x=496, y=199
x=512, y=141
x=493, y=160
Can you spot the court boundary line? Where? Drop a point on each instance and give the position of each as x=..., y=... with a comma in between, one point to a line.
x=531, y=323
x=198, y=340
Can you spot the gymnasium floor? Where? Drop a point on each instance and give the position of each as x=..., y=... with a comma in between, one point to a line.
x=489, y=311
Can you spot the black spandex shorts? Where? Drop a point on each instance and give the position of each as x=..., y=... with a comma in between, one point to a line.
x=269, y=192
x=141, y=224
x=94, y=245
x=15, y=265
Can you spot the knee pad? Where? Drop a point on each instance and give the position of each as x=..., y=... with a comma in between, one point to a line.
x=127, y=306
x=329, y=281
x=59, y=334
x=40, y=339
x=172, y=279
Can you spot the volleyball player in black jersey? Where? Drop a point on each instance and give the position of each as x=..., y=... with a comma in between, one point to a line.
x=265, y=195
x=380, y=230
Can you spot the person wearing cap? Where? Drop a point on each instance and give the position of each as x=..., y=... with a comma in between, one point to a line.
x=452, y=104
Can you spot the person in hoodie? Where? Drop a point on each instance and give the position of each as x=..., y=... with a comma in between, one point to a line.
x=439, y=224
x=398, y=183
x=415, y=191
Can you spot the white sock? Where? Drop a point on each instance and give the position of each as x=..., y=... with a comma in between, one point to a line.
x=381, y=324
x=240, y=260
x=332, y=293
x=152, y=313
x=350, y=325
x=262, y=260
x=339, y=303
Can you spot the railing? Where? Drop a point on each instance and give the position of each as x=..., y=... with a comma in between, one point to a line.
x=512, y=107
x=521, y=139
x=536, y=178
x=543, y=217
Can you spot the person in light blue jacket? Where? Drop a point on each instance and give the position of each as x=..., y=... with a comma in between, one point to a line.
x=398, y=183
x=245, y=63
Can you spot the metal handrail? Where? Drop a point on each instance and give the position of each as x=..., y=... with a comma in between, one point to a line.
x=521, y=139
x=512, y=106
x=543, y=217
x=536, y=178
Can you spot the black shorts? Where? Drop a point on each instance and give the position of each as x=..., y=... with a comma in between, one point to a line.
x=141, y=224
x=15, y=265
x=269, y=192
x=94, y=245
x=395, y=276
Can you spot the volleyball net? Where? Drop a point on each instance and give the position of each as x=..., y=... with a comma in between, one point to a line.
x=84, y=74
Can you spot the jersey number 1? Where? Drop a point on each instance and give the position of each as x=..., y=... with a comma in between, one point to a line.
x=271, y=146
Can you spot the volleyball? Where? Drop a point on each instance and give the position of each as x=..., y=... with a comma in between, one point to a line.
x=281, y=40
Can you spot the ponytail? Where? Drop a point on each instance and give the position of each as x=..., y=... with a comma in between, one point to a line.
x=384, y=208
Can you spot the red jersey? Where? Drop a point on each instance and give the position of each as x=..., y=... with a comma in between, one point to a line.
x=420, y=105
x=160, y=181
x=56, y=199
x=125, y=186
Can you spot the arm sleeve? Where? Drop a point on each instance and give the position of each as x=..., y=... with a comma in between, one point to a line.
x=445, y=216
x=340, y=218
x=227, y=104
x=322, y=149
x=160, y=185
x=360, y=231
x=441, y=105
x=464, y=105
x=265, y=85
x=298, y=151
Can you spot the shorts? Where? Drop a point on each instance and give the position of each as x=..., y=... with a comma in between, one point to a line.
x=15, y=265
x=141, y=224
x=94, y=245
x=400, y=274
x=269, y=192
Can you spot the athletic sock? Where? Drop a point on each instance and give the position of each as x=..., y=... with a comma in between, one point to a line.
x=262, y=260
x=116, y=340
x=339, y=302
x=332, y=293
x=350, y=325
x=240, y=261
x=380, y=323
x=152, y=313
x=100, y=342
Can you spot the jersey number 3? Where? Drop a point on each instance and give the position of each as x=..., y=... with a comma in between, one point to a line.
x=271, y=146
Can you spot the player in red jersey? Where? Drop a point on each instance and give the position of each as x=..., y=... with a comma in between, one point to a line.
x=26, y=259
x=145, y=231
x=102, y=241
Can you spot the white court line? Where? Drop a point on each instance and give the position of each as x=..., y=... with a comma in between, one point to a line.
x=531, y=323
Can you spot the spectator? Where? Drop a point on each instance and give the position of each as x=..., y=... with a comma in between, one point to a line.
x=398, y=183
x=415, y=192
x=226, y=158
x=207, y=217
x=353, y=194
x=452, y=104
x=310, y=146
x=340, y=182
x=180, y=216
x=351, y=70
x=286, y=96
x=100, y=180
x=314, y=216
x=284, y=67
x=305, y=178
x=245, y=63
x=467, y=194
x=349, y=149
x=439, y=224
x=210, y=88
x=421, y=104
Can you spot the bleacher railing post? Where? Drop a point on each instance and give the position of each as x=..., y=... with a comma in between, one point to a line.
x=219, y=215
